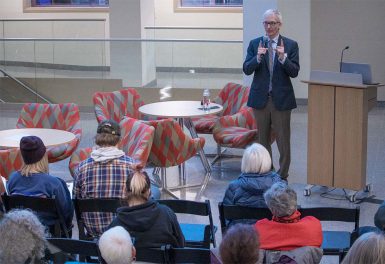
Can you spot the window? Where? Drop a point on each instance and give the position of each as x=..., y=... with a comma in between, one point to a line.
x=69, y=3
x=211, y=3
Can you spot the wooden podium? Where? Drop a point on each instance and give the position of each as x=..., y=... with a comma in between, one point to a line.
x=338, y=106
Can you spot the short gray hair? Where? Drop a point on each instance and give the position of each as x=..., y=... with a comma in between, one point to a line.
x=281, y=199
x=23, y=237
x=368, y=248
x=256, y=159
x=275, y=12
x=116, y=246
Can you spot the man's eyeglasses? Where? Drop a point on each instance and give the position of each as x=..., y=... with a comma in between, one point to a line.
x=271, y=23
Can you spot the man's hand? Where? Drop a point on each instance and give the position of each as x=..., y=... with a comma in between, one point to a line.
x=261, y=51
x=280, y=51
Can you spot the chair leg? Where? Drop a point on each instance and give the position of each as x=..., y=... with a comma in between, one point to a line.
x=164, y=184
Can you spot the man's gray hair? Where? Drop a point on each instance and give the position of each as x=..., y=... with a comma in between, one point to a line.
x=275, y=12
x=256, y=159
x=281, y=199
x=23, y=237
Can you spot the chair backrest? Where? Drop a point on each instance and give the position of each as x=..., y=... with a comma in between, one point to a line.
x=38, y=205
x=228, y=213
x=73, y=247
x=137, y=138
x=118, y=104
x=101, y=205
x=153, y=255
x=233, y=97
x=10, y=161
x=57, y=116
x=178, y=147
x=189, y=255
x=194, y=208
x=349, y=215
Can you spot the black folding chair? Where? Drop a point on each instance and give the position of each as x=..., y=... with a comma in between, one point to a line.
x=196, y=235
x=99, y=205
x=336, y=242
x=189, y=255
x=229, y=214
x=39, y=205
x=65, y=249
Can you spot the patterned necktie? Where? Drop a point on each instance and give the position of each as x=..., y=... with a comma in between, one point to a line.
x=271, y=62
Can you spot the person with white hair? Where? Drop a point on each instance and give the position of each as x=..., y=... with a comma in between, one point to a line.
x=287, y=230
x=255, y=179
x=23, y=238
x=116, y=246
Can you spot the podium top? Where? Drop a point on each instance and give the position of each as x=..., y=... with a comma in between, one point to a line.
x=338, y=79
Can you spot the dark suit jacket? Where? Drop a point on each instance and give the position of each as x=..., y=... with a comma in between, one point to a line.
x=282, y=92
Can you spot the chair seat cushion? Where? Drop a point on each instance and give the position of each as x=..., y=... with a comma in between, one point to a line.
x=336, y=240
x=205, y=124
x=193, y=232
x=235, y=137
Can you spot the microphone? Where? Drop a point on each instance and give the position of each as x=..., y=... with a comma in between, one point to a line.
x=342, y=55
x=264, y=44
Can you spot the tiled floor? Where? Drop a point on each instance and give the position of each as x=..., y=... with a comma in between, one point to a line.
x=229, y=169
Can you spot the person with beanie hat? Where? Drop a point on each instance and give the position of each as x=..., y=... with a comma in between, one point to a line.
x=34, y=180
x=103, y=175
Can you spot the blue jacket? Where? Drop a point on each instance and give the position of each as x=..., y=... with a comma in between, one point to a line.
x=43, y=185
x=248, y=189
x=282, y=91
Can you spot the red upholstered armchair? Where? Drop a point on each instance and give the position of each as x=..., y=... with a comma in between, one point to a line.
x=118, y=104
x=136, y=142
x=236, y=131
x=172, y=147
x=57, y=116
x=10, y=160
x=233, y=97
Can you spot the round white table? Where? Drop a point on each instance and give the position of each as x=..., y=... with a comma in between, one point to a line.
x=10, y=138
x=183, y=111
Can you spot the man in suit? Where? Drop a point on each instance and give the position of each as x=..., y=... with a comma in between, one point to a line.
x=274, y=60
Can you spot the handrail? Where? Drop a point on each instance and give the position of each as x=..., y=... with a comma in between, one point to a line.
x=122, y=39
x=25, y=86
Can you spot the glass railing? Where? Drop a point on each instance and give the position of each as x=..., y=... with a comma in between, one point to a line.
x=71, y=70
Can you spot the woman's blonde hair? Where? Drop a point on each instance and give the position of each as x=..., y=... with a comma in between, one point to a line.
x=137, y=184
x=40, y=166
x=368, y=248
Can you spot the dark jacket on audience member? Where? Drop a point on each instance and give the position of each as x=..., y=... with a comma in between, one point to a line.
x=248, y=189
x=151, y=224
x=43, y=185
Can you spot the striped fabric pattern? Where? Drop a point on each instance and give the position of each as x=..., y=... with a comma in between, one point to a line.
x=137, y=139
x=118, y=104
x=100, y=180
x=10, y=161
x=233, y=97
x=171, y=146
x=77, y=157
x=58, y=116
x=236, y=131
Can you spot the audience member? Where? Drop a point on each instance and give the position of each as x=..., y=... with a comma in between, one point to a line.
x=34, y=180
x=23, y=238
x=116, y=246
x=379, y=222
x=255, y=179
x=240, y=245
x=286, y=230
x=103, y=175
x=150, y=223
x=368, y=248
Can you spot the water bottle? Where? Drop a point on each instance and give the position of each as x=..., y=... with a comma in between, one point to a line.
x=206, y=100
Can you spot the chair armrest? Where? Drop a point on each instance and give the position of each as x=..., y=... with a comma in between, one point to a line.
x=244, y=118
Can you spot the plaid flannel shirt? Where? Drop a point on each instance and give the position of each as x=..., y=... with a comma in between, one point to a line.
x=101, y=180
